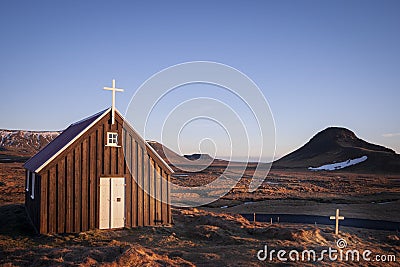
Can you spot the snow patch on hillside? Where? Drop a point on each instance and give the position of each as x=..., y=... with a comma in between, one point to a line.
x=339, y=165
x=26, y=139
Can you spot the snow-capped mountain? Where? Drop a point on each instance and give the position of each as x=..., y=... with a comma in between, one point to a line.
x=24, y=143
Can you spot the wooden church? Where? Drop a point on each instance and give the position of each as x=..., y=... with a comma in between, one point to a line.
x=98, y=173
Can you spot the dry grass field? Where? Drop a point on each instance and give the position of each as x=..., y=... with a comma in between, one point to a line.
x=366, y=196
x=211, y=236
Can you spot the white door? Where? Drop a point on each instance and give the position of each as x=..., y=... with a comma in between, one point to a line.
x=112, y=203
x=105, y=194
x=117, y=202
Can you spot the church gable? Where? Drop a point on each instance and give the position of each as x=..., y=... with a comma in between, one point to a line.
x=64, y=140
x=98, y=135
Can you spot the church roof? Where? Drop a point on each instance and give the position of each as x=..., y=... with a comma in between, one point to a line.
x=66, y=138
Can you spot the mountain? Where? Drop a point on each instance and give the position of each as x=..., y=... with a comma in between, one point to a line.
x=338, y=148
x=19, y=145
x=166, y=154
x=343, y=147
x=197, y=156
x=185, y=162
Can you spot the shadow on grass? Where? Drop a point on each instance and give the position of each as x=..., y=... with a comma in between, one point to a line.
x=20, y=245
x=15, y=222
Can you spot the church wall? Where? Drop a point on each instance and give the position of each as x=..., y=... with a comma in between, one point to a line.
x=69, y=185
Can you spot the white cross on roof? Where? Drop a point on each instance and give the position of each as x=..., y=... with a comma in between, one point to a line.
x=113, y=89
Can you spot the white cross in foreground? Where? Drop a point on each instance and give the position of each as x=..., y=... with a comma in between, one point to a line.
x=337, y=218
x=113, y=89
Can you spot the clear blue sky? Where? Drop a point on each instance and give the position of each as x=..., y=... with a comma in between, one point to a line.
x=318, y=63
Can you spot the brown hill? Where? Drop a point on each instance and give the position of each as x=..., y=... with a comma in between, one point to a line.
x=168, y=155
x=186, y=162
x=336, y=144
x=198, y=156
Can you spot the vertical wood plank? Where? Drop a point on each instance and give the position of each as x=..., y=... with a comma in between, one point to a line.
x=158, y=194
x=120, y=157
x=102, y=147
x=92, y=181
x=52, y=201
x=128, y=179
x=125, y=150
x=140, y=201
x=168, y=191
x=37, y=203
x=133, y=163
x=113, y=160
x=61, y=196
x=77, y=190
x=164, y=198
x=107, y=159
x=99, y=169
x=44, y=201
x=146, y=191
x=69, y=217
x=151, y=188
x=84, y=186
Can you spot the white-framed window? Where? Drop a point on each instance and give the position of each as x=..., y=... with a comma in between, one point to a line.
x=27, y=181
x=33, y=186
x=112, y=139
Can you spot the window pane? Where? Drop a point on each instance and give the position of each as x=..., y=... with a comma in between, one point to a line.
x=112, y=138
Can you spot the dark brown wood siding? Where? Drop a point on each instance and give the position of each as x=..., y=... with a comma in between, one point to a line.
x=33, y=205
x=68, y=188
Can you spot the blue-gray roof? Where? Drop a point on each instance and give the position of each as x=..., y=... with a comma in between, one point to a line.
x=60, y=142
